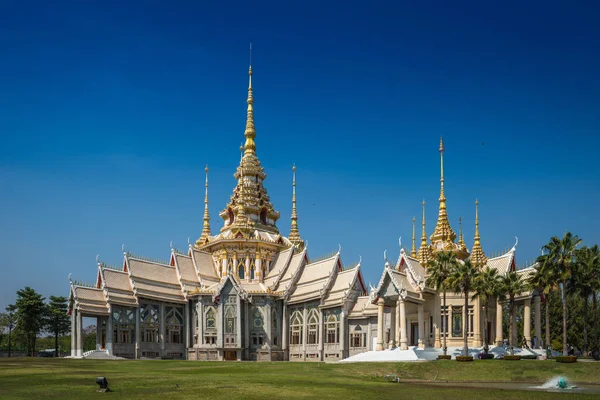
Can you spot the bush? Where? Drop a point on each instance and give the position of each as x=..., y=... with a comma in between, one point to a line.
x=486, y=356
x=566, y=359
x=464, y=358
x=442, y=357
x=512, y=358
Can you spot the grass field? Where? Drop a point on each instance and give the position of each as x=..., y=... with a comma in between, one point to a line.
x=75, y=379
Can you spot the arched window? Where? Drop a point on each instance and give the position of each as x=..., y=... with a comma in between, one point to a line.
x=332, y=327
x=174, y=321
x=274, y=327
x=252, y=268
x=241, y=270
x=296, y=327
x=210, y=326
x=313, y=327
x=357, y=337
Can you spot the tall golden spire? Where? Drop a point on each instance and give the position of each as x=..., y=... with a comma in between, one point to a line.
x=443, y=234
x=250, y=133
x=461, y=240
x=424, y=254
x=294, y=233
x=206, y=228
x=477, y=255
x=413, y=252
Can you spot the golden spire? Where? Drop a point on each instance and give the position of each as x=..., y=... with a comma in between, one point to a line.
x=443, y=231
x=294, y=233
x=424, y=254
x=477, y=255
x=413, y=252
x=206, y=228
x=461, y=240
x=250, y=133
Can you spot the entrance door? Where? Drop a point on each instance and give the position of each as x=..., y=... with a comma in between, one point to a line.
x=230, y=356
x=414, y=333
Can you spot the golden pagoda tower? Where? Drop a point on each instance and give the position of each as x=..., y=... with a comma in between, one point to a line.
x=294, y=232
x=477, y=255
x=205, y=236
x=250, y=207
x=461, y=239
x=424, y=254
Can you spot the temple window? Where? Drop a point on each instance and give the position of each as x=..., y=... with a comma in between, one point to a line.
x=123, y=325
x=332, y=328
x=457, y=321
x=444, y=321
x=210, y=326
x=296, y=327
x=174, y=319
x=274, y=327
x=471, y=318
x=357, y=337
x=150, y=322
x=313, y=327
x=252, y=268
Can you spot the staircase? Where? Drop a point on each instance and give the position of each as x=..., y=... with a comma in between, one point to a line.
x=99, y=355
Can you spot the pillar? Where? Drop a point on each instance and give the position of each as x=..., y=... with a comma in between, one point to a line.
x=109, y=333
x=527, y=321
x=285, y=332
x=235, y=265
x=74, y=332
x=392, y=342
x=421, y=321
x=343, y=340
x=396, y=310
x=321, y=334
x=380, y=304
x=238, y=327
x=258, y=269
x=79, y=335
x=268, y=325
x=403, y=341
x=138, y=333
x=186, y=326
x=224, y=267
x=437, y=320
x=513, y=333
x=163, y=329
x=499, y=338
x=247, y=273
x=477, y=323
x=537, y=326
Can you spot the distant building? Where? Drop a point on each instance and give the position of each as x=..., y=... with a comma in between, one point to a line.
x=249, y=293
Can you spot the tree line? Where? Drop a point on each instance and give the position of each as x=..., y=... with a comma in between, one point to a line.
x=567, y=276
x=31, y=315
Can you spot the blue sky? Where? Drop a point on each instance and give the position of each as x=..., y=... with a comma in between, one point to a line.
x=109, y=112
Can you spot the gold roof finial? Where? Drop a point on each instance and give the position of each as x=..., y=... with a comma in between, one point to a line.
x=461, y=240
x=294, y=232
x=413, y=252
x=250, y=133
x=443, y=231
x=424, y=254
x=477, y=255
x=206, y=228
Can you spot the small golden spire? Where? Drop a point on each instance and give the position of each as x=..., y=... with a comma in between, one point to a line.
x=461, y=240
x=477, y=255
x=424, y=254
x=413, y=252
x=206, y=228
x=294, y=233
x=443, y=231
x=250, y=133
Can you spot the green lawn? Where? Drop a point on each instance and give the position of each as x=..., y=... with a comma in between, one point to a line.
x=63, y=379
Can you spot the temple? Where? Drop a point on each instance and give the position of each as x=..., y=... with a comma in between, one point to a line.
x=250, y=293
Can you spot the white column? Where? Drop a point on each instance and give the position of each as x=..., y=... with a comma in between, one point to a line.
x=392, y=342
x=235, y=265
x=304, y=332
x=258, y=270
x=74, y=332
x=380, y=304
x=342, y=335
x=268, y=325
x=186, y=326
x=437, y=320
x=285, y=331
x=247, y=267
x=98, y=332
x=163, y=330
x=527, y=321
x=513, y=333
x=421, y=321
x=396, y=310
x=403, y=341
x=79, y=335
x=238, y=326
x=537, y=326
x=224, y=267
x=138, y=333
x=476, y=323
x=109, y=332
x=499, y=338
x=321, y=333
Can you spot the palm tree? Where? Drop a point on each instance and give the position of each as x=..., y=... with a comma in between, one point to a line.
x=561, y=252
x=583, y=282
x=438, y=271
x=512, y=285
x=487, y=287
x=544, y=282
x=462, y=281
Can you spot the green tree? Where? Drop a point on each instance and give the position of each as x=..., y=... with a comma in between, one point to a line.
x=544, y=281
x=56, y=319
x=439, y=270
x=30, y=315
x=11, y=320
x=561, y=254
x=462, y=281
x=512, y=285
x=487, y=286
x=583, y=282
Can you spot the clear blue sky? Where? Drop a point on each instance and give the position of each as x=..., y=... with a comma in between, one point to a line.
x=110, y=110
